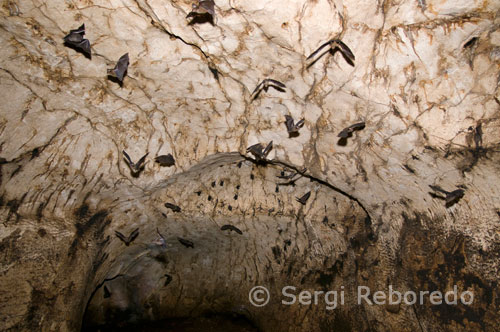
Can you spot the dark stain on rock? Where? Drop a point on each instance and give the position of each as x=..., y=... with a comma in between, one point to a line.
x=277, y=254
x=252, y=176
x=96, y=222
x=9, y=251
x=230, y=208
x=35, y=153
x=39, y=211
x=221, y=183
x=82, y=211
x=235, y=197
x=213, y=184
x=409, y=169
x=42, y=232
x=209, y=198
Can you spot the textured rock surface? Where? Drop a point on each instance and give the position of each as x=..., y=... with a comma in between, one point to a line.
x=418, y=82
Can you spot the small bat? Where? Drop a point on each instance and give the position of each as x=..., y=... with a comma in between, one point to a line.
x=137, y=167
x=336, y=44
x=265, y=84
x=130, y=238
x=291, y=127
x=302, y=200
x=161, y=241
x=450, y=197
x=231, y=228
x=471, y=42
x=291, y=177
x=478, y=136
x=185, y=243
x=173, y=207
x=107, y=293
x=120, y=68
x=168, y=279
x=259, y=152
x=347, y=132
x=165, y=160
x=75, y=40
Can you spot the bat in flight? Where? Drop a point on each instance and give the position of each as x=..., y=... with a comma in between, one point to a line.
x=265, y=85
x=202, y=12
x=302, y=200
x=291, y=127
x=128, y=239
x=231, y=228
x=173, y=207
x=347, y=132
x=76, y=41
x=120, y=69
x=137, y=167
x=165, y=160
x=334, y=45
x=451, y=197
x=185, y=243
x=259, y=151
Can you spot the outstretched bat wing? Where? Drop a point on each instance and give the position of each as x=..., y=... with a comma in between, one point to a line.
x=142, y=160
x=267, y=149
x=345, y=50
x=121, y=66
x=278, y=83
x=133, y=235
x=289, y=123
x=318, y=50
x=121, y=237
x=127, y=157
x=85, y=46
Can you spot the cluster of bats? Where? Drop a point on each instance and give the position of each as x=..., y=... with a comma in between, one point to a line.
x=136, y=168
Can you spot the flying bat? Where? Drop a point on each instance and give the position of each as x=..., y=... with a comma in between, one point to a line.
x=347, y=132
x=291, y=127
x=291, y=177
x=265, y=84
x=231, y=228
x=202, y=8
x=302, y=200
x=75, y=40
x=165, y=160
x=185, y=243
x=451, y=197
x=130, y=238
x=259, y=152
x=335, y=44
x=120, y=68
x=173, y=207
x=135, y=167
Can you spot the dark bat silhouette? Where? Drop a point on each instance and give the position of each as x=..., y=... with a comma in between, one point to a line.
x=291, y=127
x=265, y=84
x=75, y=40
x=471, y=42
x=168, y=279
x=259, y=152
x=347, y=132
x=231, y=228
x=451, y=197
x=165, y=160
x=478, y=136
x=130, y=238
x=185, y=243
x=302, y=200
x=107, y=293
x=120, y=68
x=335, y=44
x=291, y=177
x=137, y=167
x=173, y=207
x=202, y=12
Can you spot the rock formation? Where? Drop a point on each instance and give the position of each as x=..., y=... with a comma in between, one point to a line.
x=425, y=81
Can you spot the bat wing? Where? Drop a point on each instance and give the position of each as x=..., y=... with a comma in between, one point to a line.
x=225, y=227
x=278, y=83
x=268, y=148
x=437, y=188
x=345, y=50
x=142, y=160
x=256, y=148
x=122, y=66
x=121, y=236
x=236, y=229
x=318, y=50
x=127, y=157
x=133, y=235
x=289, y=122
x=300, y=123
x=344, y=133
x=80, y=30
x=357, y=126
x=209, y=6
x=85, y=46
x=257, y=89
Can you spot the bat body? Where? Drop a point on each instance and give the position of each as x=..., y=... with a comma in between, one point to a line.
x=291, y=127
x=231, y=228
x=173, y=207
x=120, y=68
x=168, y=279
x=161, y=241
x=137, y=167
x=302, y=200
x=75, y=39
x=259, y=151
x=334, y=45
x=265, y=84
x=478, y=136
x=128, y=239
x=204, y=7
x=451, y=197
x=185, y=243
x=165, y=160
x=347, y=132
